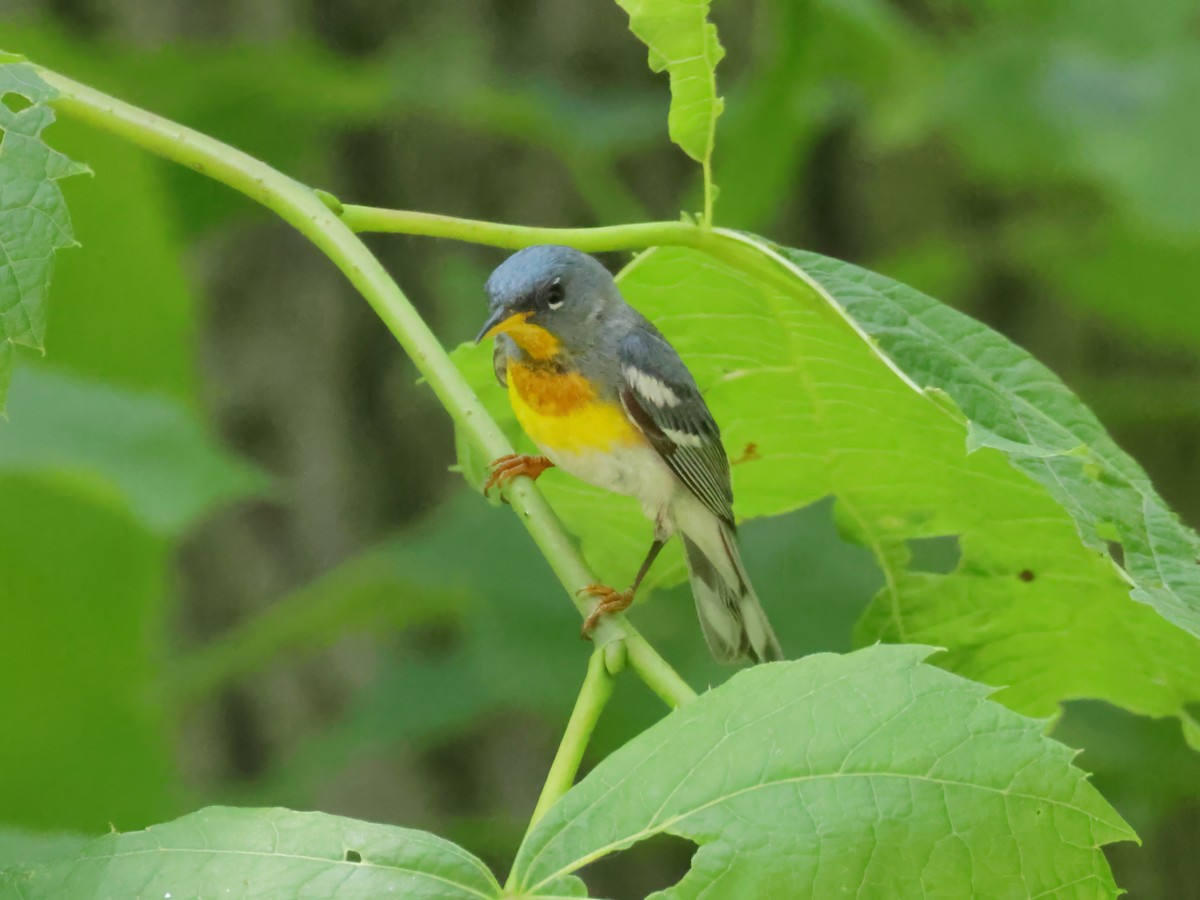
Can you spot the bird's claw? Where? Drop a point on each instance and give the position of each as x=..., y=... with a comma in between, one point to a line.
x=506, y=468
x=608, y=601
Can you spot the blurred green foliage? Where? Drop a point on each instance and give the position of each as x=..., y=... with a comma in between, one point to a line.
x=1030, y=162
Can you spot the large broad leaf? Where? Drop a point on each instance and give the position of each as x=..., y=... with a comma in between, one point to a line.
x=1015, y=404
x=81, y=588
x=19, y=846
x=870, y=775
x=232, y=853
x=94, y=481
x=33, y=215
x=144, y=453
x=684, y=43
x=811, y=407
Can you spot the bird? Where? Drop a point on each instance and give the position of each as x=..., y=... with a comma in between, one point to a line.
x=608, y=400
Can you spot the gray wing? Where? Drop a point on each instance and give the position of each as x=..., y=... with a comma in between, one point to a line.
x=660, y=395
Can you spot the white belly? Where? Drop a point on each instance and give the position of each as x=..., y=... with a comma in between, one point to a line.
x=635, y=471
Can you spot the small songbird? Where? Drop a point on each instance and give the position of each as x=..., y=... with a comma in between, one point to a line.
x=606, y=398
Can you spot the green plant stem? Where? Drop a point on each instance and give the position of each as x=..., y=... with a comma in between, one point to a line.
x=636, y=236
x=597, y=687
x=722, y=243
x=311, y=216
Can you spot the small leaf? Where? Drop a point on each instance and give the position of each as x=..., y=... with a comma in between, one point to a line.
x=242, y=853
x=33, y=214
x=684, y=43
x=866, y=774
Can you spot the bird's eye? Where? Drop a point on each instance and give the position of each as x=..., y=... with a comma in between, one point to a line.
x=555, y=294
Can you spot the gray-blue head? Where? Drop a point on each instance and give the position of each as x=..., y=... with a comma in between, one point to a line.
x=548, y=289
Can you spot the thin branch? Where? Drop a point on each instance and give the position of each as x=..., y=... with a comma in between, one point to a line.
x=637, y=236
x=732, y=247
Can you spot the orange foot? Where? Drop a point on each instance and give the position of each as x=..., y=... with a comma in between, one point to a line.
x=509, y=467
x=608, y=601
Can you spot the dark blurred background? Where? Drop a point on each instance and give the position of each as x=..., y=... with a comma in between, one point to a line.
x=346, y=628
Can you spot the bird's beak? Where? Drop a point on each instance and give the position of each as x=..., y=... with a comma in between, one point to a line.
x=499, y=322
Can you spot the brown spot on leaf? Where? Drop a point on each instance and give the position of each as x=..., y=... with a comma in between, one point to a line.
x=749, y=454
x=1026, y=575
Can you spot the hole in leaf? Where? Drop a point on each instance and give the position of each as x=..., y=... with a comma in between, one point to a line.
x=353, y=856
x=938, y=555
x=1192, y=711
x=15, y=102
x=1117, y=551
x=648, y=866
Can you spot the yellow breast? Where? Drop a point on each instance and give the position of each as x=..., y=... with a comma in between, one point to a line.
x=559, y=410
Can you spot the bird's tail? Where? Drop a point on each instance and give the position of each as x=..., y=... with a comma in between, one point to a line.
x=731, y=617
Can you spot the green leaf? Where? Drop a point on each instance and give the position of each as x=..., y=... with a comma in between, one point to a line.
x=19, y=846
x=815, y=409
x=82, y=594
x=33, y=214
x=146, y=453
x=225, y=852
x=684, y=43
x=6, y=370
x=1016, y=405
x=123, y=310
x=870, y=773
